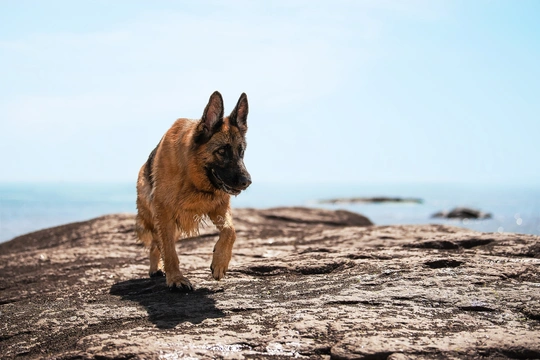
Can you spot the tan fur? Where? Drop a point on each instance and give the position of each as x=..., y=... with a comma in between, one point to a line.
x=182, y=196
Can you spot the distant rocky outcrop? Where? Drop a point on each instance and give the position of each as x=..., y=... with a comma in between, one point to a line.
x=462, y=213
x=303, y=283
x=373, y=200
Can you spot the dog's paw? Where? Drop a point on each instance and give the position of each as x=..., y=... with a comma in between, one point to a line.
x=219, y=266
x=157, y=273
x=179, y=283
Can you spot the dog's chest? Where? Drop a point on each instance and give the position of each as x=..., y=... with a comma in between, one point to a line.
x=193, y=212
x=187, y=223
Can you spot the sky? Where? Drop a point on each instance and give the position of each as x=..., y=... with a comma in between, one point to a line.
x=363, y=91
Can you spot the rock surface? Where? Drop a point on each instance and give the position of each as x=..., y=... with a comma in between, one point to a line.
x=302, y=283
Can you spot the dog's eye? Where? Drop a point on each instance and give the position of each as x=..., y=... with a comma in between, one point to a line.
x=221, y=151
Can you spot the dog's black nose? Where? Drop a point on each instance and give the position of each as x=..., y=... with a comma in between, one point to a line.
x=244, y=181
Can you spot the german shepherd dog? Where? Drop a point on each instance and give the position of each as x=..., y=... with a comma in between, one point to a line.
x=189, y=177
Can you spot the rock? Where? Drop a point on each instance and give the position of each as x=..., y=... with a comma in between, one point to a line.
x=315, y=216
x=462, y=213
x=302, y=283
x=374, y=200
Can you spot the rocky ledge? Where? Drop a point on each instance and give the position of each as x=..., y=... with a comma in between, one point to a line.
x=302, y=283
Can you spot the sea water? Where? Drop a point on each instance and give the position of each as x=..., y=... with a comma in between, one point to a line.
x=26, y=207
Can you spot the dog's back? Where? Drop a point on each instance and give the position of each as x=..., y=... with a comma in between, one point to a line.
x=162, y=174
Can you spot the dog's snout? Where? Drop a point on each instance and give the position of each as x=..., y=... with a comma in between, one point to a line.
x=244, y=181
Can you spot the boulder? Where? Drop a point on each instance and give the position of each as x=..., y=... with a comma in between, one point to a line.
x=303, y=283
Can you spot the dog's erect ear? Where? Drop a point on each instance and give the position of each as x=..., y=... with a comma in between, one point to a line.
x=213, y=115
x=239, y=115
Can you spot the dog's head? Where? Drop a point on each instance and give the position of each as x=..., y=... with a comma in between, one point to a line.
x=220, y=144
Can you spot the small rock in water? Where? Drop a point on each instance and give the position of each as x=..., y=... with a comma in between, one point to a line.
x=462, y=213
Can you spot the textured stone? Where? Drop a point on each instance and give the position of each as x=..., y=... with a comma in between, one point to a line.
x=302, y=283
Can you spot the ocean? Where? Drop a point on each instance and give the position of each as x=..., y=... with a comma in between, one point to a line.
x=27, y=207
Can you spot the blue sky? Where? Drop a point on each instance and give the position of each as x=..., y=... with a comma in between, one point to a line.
x=339, y=91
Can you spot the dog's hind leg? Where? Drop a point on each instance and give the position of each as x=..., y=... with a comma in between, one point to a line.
x=148, y=236
x=155, y=259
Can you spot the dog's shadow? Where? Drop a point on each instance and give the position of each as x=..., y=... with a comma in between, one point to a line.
x=167, y=309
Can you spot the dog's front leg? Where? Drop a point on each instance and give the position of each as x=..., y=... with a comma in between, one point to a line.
x=167, y=237
x=223, y=248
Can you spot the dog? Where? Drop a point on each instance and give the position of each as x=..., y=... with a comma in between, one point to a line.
x=189, y=177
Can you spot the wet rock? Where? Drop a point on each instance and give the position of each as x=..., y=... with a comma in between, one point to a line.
x=462, y=213
x=302, y=283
